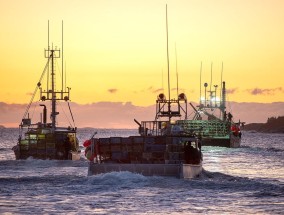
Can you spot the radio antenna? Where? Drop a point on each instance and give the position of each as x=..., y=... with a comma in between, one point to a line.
x=65, y=76
x=200, y=83
x=211, y=76
x=62, y=70
x=176, y=67
x=221, y=81
x=163, y=81
x=169, y=91
x=47, y=81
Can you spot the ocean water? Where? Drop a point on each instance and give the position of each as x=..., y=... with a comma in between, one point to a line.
x=246, y=180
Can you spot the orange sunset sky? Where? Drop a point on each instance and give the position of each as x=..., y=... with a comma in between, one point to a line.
x=115, y=50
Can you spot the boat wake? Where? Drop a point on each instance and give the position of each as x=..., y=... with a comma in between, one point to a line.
x=217, y=180
x=122, y=179
x=265, y=149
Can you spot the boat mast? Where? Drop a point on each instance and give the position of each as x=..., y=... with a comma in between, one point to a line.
x=53, y=100
x=51, y=93
x=223, y=106
x=62, y=85
x=200, y=84
x=176, y=67
x=169, y=91
x=221, y=96
x=51, y=56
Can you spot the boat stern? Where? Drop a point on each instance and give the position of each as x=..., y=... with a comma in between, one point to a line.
x=188, y=171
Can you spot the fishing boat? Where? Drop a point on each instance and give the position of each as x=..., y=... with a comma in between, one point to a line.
x=46, y=140
x=214, y=125
x=160, y=149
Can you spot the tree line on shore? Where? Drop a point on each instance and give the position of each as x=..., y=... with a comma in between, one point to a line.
x=273, y=125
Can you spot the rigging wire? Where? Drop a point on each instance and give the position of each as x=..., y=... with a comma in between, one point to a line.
x=36, y=88
x=34, y=110
x=229, y=104
x=190, y=114
x=59, y=71
x=65, y=114
x=71, y=114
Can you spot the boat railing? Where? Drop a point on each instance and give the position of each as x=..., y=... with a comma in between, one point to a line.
x=155, y=128
x=208, y=128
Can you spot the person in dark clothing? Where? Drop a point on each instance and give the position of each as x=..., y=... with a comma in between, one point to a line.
x=67, y=145
x=191, y=155
x=188, y=151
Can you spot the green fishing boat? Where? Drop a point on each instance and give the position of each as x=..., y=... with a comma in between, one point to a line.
x=215, y=126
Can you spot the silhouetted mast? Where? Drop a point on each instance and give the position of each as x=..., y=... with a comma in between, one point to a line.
x=169, y=91
x=176, y=67
x=163, y=105
x=62, y=61
x=221, y=81
x=200, y=84
x=53, y=100
x=223, y=103
x=211, y=77
x=51, y=93
x=47, y=79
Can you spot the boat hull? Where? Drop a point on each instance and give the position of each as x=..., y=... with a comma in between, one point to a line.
x=20, y=155
x=74, y=156
x=212, y=132
x=42, y=143
x=230, y=142
x=185, y=171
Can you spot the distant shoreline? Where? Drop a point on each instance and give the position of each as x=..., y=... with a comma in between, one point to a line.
x=273, y=125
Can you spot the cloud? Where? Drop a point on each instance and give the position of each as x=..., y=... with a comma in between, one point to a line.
x=112, y=90
x=122, y=114
x=258, y=91
x=160, y=90
x=179, y=89
x=96, y=115
x=151, y=89
x=231, y=91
